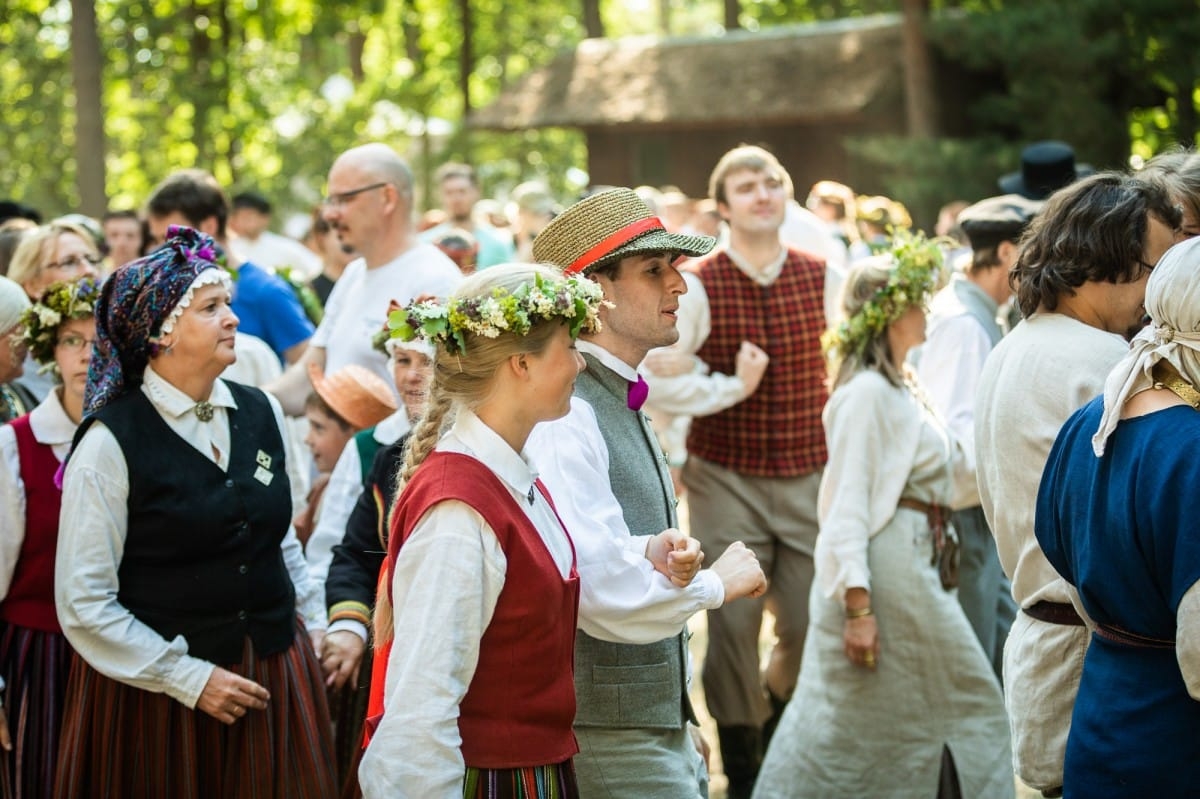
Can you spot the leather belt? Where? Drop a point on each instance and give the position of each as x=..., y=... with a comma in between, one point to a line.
x=1055, y=613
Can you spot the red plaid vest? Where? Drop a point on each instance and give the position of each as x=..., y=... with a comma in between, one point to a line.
x=776, y=432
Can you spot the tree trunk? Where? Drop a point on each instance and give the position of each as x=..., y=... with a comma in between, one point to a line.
x=201, y=53
x=664, y=17
x=733, y=10
x=466, y=66
x=593, y=25
x=920, y=99
x=87, y=68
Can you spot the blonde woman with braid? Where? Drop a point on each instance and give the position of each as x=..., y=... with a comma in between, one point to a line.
x=478, y=695
x=895, y=697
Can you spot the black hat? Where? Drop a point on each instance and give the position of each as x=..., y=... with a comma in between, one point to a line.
x=1046, y=166
x=996, y=219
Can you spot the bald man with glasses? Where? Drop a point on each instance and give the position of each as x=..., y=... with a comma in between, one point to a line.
x=369, y=205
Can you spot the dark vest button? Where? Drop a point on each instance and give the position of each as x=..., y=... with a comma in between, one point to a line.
x=243, y=569
x=242, y=615
x=229, y=484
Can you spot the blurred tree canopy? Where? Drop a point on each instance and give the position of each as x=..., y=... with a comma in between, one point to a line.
x=264, y=93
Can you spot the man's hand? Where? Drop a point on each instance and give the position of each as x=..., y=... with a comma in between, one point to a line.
x=227, y=697
x=341, y=658
x=740, y=573
x=675, y=555
x=750, y=365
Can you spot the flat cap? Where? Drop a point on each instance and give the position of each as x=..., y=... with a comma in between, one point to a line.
x=996, y=219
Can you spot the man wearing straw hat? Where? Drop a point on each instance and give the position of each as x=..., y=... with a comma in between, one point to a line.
x=1081, y=281
x=640, y=577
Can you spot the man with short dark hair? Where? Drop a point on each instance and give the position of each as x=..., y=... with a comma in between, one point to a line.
x=1081, y=281
x=963, y=329
x=251, y=221
x=265, y=305
x=124, y=236
x=458, y=190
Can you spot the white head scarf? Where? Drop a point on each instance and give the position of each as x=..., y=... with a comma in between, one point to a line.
x=13, y=303
x=1173, y=335
x=209, y=277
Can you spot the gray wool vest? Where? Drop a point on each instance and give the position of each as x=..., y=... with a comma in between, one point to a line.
x=980, y=306
x=630, y=686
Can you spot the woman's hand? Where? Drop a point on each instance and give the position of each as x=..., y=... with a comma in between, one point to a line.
x=5, y=738
x=226, y=696
x=860, y=635
x=676, y=555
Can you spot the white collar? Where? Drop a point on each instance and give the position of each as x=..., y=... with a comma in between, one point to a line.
x=172, y=402
x=765, y=276
x=487, y=446
x=50, y=423
x=608, y=359
x=390, y=429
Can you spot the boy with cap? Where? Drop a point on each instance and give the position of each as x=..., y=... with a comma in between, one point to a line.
x=963, y=329
x=639, y=576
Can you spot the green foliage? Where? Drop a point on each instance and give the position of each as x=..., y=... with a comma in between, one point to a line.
x=264, y=93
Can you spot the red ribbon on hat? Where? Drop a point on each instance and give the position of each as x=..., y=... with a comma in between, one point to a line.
x=618, y=239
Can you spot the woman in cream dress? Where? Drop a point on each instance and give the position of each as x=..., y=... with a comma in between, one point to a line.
x=895, y=697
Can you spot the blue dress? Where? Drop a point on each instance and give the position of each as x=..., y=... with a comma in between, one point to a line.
x=1124, y=529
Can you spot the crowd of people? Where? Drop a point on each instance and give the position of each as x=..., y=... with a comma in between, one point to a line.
x=390, y=510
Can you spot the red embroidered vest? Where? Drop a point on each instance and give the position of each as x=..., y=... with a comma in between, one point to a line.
x=776, y=431
x=30, y=599
x=520, y=705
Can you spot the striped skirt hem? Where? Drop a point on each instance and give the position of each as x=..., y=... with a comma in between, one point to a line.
x=35, y=665
x=120, y=741
x=533, y=782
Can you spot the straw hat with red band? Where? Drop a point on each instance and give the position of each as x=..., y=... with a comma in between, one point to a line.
x=354, y=393
x=606, y=227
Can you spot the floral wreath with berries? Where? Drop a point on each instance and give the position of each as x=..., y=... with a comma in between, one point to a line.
x=577, y=301
x=63, y=301
x=917, y=274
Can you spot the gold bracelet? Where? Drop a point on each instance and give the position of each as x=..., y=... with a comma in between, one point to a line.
x=858, y=613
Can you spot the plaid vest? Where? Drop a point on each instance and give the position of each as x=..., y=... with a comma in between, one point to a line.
x=776, y=431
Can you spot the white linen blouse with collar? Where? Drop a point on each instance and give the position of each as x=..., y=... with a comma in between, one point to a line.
x=91, y=542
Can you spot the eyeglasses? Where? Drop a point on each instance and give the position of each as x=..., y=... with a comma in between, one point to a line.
x=341, y=198
x=75, y=263
x=75, y=342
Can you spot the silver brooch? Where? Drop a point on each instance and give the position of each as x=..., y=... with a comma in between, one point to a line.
x=204, y=411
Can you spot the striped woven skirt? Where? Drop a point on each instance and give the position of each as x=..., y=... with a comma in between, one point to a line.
x=534, y=782
x=120, y=742
x=34, y=665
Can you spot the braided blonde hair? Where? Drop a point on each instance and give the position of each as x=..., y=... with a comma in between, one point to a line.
x=465, y=380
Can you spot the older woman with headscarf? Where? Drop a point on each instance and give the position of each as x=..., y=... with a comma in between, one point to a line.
x=15, y=399
x=1116, y=516
x=178, y=579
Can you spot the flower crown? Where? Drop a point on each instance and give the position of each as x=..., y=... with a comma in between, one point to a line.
x=577, y=301
x=64, y=300
x=916, y=275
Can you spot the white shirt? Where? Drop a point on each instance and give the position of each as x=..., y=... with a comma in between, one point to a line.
x=341, y=494
x=51, y=426
x=91, y=542
x=447, y=581
x=1041, y=373
x=272, y=251
x=622, y=598
x=950, y=364
x=357, y=307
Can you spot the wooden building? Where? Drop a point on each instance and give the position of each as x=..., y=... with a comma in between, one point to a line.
x=662, y=110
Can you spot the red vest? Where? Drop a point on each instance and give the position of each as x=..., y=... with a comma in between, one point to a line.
x=520, y=705
x=30, y=599
x=776, y=431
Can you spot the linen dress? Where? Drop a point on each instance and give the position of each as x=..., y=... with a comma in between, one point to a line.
x=1122, y=529
x=849, y=731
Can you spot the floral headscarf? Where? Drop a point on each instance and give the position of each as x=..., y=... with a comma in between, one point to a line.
x=135, y=303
